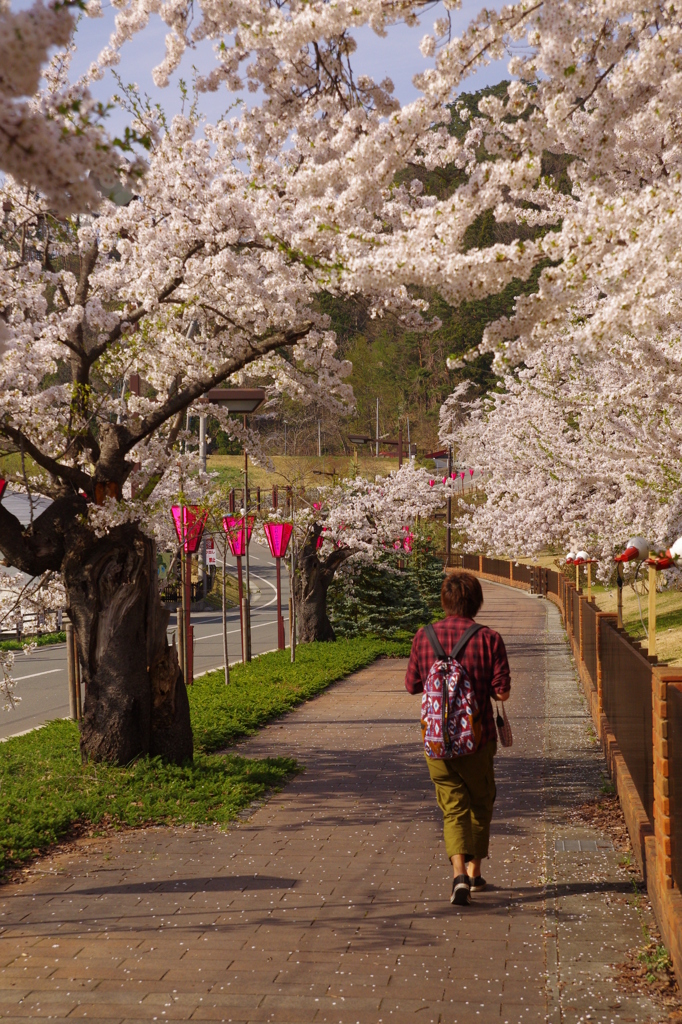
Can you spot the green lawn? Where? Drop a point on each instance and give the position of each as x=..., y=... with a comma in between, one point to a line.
x=45, y=790
x=41, y=641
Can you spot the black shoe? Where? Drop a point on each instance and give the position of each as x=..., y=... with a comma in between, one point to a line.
x=460, y=891
x=477, y=884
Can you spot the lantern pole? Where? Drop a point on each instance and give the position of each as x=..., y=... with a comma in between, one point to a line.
x=240, y=583
x=589, y=581
x=292, y=571
x=280, y=620
x=224, y=602
x=246, y=602
x=183, y=595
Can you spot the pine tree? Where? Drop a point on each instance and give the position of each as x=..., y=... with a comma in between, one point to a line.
x=397, y=594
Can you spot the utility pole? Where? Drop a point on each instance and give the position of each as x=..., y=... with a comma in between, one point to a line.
x=202, y=440
x=377, y=433
x=448, y=528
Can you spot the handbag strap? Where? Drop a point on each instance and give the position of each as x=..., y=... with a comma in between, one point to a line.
x=437, y=647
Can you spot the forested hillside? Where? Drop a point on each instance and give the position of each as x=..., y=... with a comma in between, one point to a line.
x=407, y=370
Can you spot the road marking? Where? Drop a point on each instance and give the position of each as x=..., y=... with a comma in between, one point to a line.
x=211, y=636
x=17, y=679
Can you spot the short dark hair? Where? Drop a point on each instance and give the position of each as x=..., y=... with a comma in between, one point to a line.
x=461, y=594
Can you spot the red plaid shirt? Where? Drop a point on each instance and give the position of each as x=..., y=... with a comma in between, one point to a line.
x=484, y=658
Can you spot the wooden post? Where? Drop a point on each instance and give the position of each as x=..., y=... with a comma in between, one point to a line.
x=400, y=447
x=258, y=500
x=180, y=635
x=652, y=610
x=589, y=581
x=231, y=506
x=577, y=578
x=619, y=596
x=247, y=630
x=71, y=672
x=77, y=678
x=511, y=570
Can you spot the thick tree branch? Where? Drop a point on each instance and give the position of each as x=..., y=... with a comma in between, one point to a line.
x=40, y=547
x=136, y=315
x=72, y=474
x=182, y=399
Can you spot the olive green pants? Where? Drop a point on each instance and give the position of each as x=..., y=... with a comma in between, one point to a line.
x=465, y=791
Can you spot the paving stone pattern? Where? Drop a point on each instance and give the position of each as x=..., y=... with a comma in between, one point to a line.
x=330, y=903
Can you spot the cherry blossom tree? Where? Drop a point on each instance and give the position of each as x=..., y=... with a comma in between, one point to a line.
x=180, y=290
x=575, y=454
x=52, y=135
x=358, y=520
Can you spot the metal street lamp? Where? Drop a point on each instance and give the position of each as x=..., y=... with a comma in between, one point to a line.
x=278, y=536
x=242, y=401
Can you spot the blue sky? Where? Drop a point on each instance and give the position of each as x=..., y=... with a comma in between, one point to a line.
x=396, y=56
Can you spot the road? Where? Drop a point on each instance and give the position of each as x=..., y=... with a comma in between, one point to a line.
x=42, y=678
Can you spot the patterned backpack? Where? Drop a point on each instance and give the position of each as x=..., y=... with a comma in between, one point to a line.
x=451, y=717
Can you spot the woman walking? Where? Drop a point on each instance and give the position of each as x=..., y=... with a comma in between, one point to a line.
x=464, y=782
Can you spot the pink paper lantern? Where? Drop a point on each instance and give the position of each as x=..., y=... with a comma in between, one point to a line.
x=432, y=483
x=445, y=479
x=453, y=476
x=462, y=474
x=278, y=535
x=191, y=531
x=471, y=472
x=234, y=528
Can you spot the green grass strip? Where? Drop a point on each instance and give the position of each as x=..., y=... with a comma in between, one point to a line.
x=271, y=685
x=45, y=790
x=40, y=641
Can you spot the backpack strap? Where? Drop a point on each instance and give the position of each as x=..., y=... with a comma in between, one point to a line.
x=436, y=645
x=464, y=639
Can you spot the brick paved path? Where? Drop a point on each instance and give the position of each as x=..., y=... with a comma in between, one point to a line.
x=330, y=903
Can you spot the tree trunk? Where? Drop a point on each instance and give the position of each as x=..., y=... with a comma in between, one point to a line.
x=135, y=697
x=311, y=582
